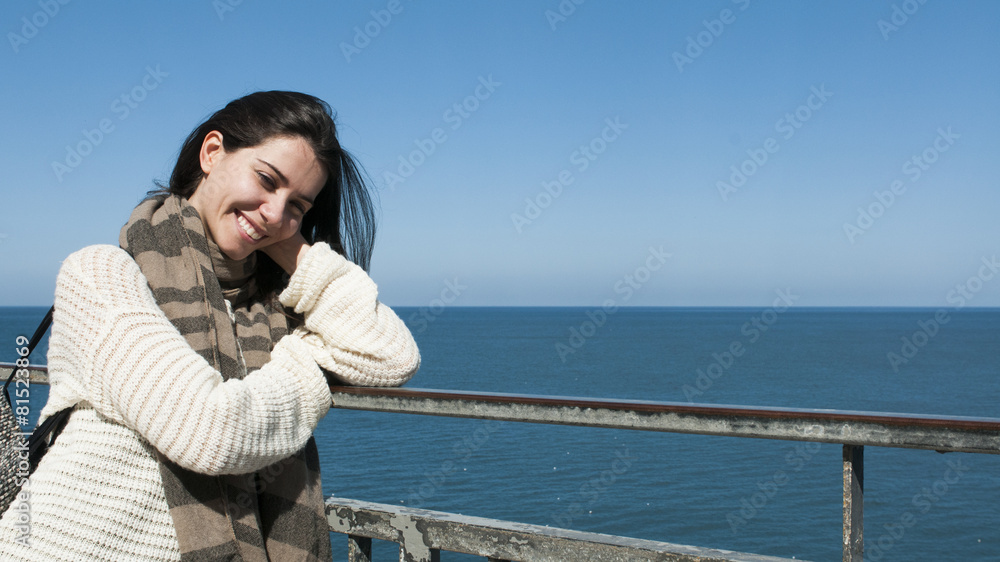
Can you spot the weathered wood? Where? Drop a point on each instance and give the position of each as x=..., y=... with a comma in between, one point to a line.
x=426, y=531
x=359, y=549
x=854, y=503
x=38, y=374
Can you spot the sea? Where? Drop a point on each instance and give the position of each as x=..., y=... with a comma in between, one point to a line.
x=779, y=498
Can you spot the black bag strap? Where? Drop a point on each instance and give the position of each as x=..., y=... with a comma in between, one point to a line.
x=39, y=441
x=37, y=337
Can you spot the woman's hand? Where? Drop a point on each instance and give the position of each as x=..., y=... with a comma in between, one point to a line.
x=288, y=253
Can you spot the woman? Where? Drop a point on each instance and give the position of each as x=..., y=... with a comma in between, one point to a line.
x=195, y=357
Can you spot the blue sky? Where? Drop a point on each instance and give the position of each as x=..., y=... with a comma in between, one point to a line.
x=710, y=153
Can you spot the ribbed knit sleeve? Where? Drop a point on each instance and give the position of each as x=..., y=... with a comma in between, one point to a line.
x=135, y=368
x=349, y=332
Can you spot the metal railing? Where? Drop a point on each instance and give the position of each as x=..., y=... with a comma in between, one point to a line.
x=423, y=534
x=853, y=430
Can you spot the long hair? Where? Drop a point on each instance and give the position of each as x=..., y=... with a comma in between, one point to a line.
x=343, y=215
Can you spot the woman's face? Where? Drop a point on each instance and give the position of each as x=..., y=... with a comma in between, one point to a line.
x=254, y=197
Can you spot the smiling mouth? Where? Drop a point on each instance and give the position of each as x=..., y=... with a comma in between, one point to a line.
x=248, y=228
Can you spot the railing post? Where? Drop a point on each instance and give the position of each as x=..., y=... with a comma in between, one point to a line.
x=359, y=549
x=405, y=555
x=854, y=503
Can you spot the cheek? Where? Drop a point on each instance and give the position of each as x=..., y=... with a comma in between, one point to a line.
x=291, y=228
x=221, y=184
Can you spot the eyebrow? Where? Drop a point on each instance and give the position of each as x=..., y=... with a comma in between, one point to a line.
x=275, y=170
x=283, y=179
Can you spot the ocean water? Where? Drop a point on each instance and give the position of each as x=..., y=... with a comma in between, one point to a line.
x=769, y=497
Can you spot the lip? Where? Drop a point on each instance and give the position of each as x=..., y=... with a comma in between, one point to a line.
x=254, y=225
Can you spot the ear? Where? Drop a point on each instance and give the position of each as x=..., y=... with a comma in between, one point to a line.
x=211, y=151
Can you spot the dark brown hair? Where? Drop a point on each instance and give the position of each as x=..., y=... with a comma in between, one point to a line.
x=343, y=214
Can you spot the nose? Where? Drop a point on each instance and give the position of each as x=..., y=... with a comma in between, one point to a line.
x=271, y=210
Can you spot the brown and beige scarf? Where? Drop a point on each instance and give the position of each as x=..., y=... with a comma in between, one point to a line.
x=276, y=513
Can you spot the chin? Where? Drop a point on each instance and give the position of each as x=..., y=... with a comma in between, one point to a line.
x=237, y=253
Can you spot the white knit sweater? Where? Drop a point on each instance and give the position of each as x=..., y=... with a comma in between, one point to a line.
x=137, y=385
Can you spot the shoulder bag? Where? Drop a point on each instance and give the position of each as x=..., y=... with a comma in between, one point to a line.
x=19, y=453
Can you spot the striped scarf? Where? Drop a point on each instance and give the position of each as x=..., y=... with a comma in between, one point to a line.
x=276, y=513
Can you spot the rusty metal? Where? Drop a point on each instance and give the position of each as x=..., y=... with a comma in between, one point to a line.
x=431, y=531
x=964, y=434
x=854, y=503
x=421, y=536
x=939, y=433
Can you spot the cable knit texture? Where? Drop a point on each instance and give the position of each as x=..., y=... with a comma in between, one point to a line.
x=136, y=384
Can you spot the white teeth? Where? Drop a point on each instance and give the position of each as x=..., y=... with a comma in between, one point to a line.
x=248, y=228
